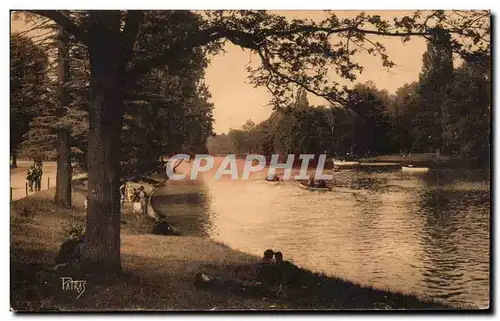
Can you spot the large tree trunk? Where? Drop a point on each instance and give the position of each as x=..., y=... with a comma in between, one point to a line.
x=14, y=159
x=101, y=251
x=64, y=170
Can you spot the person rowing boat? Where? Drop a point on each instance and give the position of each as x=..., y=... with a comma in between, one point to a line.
x=275, y=178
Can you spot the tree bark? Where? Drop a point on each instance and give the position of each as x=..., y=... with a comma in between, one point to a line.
x=101, y=251
x=64, y=170
x=14, y=159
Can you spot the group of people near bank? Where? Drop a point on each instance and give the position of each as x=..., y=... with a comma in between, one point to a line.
x=272, y=276
x=70, y=250
x=317, y=183
x=274, y=270
x=34, y=176
x=311, y=183
x=137, y=197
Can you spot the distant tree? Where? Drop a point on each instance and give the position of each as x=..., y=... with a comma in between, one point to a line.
x=239, y=141
x=372, y=132
x=167, y=112
x=63, y=110
x=264, y=138
x=297, y=52
x=437, y=73
x=301, y=102
x=28, y=67
x=248, y=125
x=341, y=127
x=403, y=108
x=468, y=128
x=220, y=145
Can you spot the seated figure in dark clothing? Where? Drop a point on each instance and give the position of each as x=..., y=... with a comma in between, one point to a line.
x=321, y=184
x=266, y=272
x=162, y=227
x=69, y=252
x=288, y=273
x=268, y=257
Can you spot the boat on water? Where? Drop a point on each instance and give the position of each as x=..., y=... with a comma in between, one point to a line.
x=414, y=170
x=345, y=164
x=306, y=186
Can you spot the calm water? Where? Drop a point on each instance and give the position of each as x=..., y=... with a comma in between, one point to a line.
x=427, y=235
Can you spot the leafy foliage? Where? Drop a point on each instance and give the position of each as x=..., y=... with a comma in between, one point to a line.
x=124, y=46
x=437, y=73
x=27, y=86
x=372, y=132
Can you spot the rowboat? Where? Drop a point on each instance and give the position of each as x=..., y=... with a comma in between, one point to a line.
x=414, y=170
x=272, y=182
x=345, y=164
x=320, y=189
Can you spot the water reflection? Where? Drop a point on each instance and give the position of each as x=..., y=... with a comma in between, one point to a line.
x=428, y=235
x=456, y=245
x=185, y=209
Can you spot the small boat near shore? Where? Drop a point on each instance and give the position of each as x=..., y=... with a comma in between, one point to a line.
x=345, y=164
x=379, y=164
x=272, y=182
x=414, y=170
x=305, y=186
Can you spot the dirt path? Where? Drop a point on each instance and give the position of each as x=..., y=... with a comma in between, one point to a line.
x=18, y=178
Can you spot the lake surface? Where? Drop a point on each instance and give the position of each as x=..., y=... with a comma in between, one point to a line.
x=426, y=235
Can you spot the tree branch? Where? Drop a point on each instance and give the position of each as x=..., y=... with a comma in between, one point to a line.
x=129, y=33
x=44, y=22
x=266, y=62
x=201, y=38
x=64, y=21
x=246, y=40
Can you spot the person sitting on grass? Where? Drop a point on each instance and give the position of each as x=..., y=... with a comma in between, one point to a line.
x=69, y=253
x=268, y=257
x=266, y=271
x=287, y=273
x=162, y=227
x=321, y=184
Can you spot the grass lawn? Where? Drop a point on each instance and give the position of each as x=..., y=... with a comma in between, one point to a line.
x=158, y=271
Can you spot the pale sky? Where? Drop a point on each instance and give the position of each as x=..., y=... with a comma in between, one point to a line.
x=236, y=100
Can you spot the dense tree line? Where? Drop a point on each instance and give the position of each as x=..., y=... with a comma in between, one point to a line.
x=446, y=109
x=27, y=78
x=124, y=48
x=168, y=111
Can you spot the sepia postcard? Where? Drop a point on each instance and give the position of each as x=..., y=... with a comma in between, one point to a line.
x=244, y=160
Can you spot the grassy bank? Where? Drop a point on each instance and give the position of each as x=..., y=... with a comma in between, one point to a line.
x=158, y=270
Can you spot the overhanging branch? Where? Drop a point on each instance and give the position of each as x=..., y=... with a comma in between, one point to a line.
x=129, y=33
x=201, y=38
x=64, y=21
